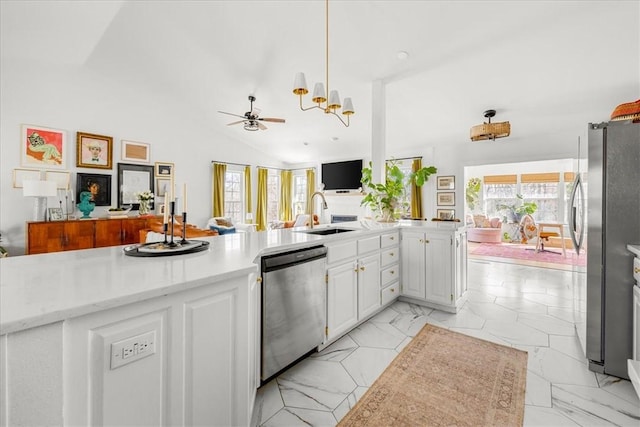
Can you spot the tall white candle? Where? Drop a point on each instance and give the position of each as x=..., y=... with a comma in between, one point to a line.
x=184, y=196
x=166, y=211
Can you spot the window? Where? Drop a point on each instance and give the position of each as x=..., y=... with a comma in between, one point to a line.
x=233, y=192
x=499, y=190
x=545, y=195
x=405, y=201
x=273, y=195
x=299, y=193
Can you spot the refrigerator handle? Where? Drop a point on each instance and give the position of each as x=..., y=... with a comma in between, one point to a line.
x=577, y=228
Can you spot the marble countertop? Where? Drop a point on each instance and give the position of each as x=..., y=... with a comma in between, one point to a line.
x=635, y=249
x=36, y=290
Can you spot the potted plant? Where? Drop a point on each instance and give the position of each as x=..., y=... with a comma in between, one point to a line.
x=384, y=199
x=515, y=211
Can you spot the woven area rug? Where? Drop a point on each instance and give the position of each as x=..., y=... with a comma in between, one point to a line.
x=444, y=378
x=523, y=252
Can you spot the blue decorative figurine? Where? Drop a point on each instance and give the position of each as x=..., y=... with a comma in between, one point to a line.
x=86, y=206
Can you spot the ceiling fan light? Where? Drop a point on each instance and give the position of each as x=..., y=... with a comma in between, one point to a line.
x=334, y=100
x=490, y=131
x=347, y=107
x=251, y=126
x=300, y=85
x=319, y=95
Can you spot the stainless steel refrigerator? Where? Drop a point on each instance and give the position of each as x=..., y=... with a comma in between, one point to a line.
x=613, y=222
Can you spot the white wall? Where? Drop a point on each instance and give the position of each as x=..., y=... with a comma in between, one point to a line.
x=81, y=99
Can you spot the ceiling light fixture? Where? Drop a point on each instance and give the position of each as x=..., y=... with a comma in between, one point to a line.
x=490, y=130
x=319, y=95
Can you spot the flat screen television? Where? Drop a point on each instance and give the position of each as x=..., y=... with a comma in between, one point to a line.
x=342, y=175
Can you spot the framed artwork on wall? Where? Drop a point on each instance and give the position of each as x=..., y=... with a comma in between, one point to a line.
x=136, y=151
x=43, y=147
x=163, y=169
x=20, y=175
x=163, y=186
x=94, y=151
x=97, y=184
x=446, y=214
x=446, y=198
x=447, y=182
x=134, y=179
x=61, y=178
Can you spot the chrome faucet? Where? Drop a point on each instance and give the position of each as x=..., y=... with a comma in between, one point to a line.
x=324, y=206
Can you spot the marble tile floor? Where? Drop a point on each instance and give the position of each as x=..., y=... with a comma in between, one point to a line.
x=526, y=307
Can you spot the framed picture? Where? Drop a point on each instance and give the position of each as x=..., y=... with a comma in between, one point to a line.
x=94, y=151
x=163, y=169
x=446, y=214
x=20, y=175
x=133, y=179
x=61, y=178
x=43, y=147
x=98, y=185
x=446, y=198
x=55, y=214
x=163, y=186
x=447, y=182
x=136, y=151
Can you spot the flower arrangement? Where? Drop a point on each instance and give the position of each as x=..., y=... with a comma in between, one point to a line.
x=145, y=196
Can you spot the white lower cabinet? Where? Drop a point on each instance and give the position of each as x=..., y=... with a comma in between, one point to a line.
x=342, y=299
x=368, y=285
x=434, y=267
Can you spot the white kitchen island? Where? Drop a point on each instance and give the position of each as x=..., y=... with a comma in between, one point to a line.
x=95, y=337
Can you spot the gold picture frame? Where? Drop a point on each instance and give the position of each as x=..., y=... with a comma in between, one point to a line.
x=94, y=151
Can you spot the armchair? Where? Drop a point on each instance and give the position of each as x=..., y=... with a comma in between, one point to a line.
x=484, y=230
x=225, y=225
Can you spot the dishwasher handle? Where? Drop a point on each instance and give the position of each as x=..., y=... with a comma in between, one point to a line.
x=291, y=258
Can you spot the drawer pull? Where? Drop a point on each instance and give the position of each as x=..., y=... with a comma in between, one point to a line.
x=392, y=290
x=392, y=254
x=636, y=270
x=426, y=241
x=392, y=272
x=361, y=268
x=392, y=237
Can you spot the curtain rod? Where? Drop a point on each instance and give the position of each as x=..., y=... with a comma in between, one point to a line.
x=285, y=169
x=228, y=163
x=404, y=158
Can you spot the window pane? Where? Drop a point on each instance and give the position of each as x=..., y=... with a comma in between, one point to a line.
x=233, y=196
x=273, y=196
x=299, y=194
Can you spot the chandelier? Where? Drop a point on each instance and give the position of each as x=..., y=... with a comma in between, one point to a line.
x=319, y=94
x=490, y=130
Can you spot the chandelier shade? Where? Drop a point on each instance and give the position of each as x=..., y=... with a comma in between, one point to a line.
x=490, y=130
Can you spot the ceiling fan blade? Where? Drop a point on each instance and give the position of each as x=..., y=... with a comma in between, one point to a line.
x=235, y=123
x=231, y=114
x=261, y=126
x=271, y=119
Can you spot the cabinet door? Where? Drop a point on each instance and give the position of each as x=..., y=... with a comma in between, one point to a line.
x=368, y=285
x=438, y=268
x=460, y=252
x=131, y=230
x=43, y=237
x=78, y=235
x=342, y=299
x=108, y=232
x=413, y=264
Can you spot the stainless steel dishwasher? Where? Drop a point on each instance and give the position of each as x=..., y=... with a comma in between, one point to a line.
x=293, y=306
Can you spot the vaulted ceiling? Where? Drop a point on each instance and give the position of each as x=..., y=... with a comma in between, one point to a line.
x=547, y=67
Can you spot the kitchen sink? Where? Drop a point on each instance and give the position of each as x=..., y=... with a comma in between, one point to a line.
x=326, y=231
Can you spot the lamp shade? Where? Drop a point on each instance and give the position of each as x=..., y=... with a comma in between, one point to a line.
x=32, y=188
x=300, y=84
x=319, y=95
x=347, y=108
x=334, y=99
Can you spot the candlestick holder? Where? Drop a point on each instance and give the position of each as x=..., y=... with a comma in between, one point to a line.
x=184, y=228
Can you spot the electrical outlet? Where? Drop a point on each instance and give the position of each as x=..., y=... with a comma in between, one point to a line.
x=132, y=349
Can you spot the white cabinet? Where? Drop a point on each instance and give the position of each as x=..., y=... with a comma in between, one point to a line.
x=434, y=267
x=353, y=283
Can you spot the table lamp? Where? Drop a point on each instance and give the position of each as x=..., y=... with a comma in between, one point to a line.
x=40, y=190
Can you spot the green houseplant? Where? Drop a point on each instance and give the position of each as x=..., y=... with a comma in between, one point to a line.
x=384, y=199
x=472, y=193
x=515, y=211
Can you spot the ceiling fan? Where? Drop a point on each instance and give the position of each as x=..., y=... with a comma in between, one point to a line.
x=250, y=118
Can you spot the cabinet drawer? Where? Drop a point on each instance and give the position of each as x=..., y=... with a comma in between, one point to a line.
x=389, y=274
x=389, y=256
x=390, y=293
x=636, y=269
x=390, y=239
x=368, y=244
x=342, y=251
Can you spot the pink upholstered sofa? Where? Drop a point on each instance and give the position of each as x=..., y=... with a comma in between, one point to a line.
x=484, y=230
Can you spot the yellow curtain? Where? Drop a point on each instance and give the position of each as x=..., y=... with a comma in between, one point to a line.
x=416, y=192
x=219, y=171
x=261, y=208
x=286, y=200
x=247, y=193
x=311, y=188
